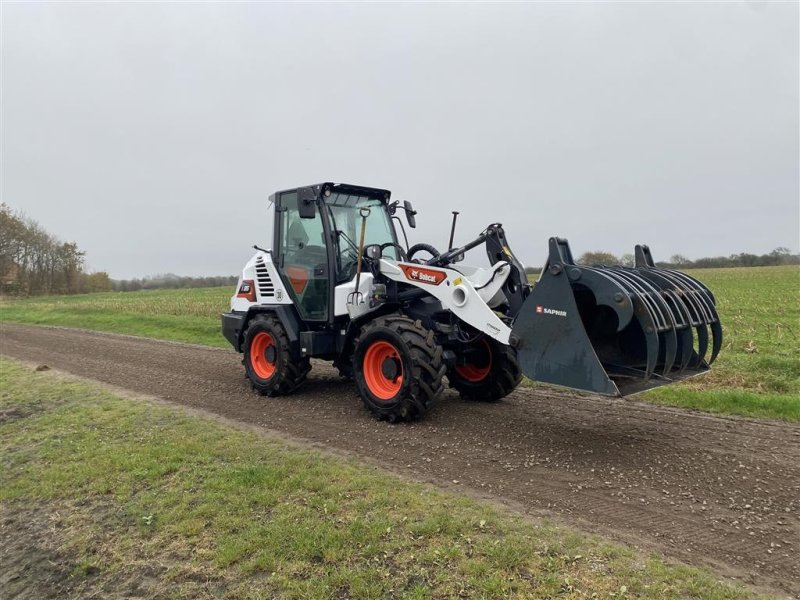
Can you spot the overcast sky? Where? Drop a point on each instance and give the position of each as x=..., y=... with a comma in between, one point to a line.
x=152, y=134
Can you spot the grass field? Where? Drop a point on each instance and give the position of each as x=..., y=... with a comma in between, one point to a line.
x=757, y=374
x=191, y=315
x=758, y=371
x=111, y=497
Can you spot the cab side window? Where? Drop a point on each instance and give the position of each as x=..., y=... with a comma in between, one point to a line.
x=305, y=260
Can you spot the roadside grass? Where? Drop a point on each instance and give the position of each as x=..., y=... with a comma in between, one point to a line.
x=190, y=507
x=757, y=373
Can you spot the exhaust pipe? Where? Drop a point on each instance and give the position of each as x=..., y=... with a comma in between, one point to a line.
x=615, y=330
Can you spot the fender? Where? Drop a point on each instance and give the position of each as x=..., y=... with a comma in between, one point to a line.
x=235, y=323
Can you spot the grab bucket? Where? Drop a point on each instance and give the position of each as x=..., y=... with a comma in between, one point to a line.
x=615, y=330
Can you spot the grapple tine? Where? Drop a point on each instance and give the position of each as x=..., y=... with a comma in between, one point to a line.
x=645, y=318
x=716, y=344
x=686, y=348
x=702, y=346
x=670, y=350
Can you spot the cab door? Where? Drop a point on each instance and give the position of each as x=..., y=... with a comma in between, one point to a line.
x=303, y=259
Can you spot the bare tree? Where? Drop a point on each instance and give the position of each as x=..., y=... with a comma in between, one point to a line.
x=781, y=255
x=598, y=258
x=34, y=262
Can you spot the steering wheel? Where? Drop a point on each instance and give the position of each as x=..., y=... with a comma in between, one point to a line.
x=400, y=251
x=422, y=248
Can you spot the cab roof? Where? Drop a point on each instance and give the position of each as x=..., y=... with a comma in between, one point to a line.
x=324, y=190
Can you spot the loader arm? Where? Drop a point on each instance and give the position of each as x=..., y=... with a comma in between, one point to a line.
x=516, y=287
x=455, y=292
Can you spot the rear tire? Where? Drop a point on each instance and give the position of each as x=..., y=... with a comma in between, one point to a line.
x=398, y=368
x=267, y=360
x=495, y=374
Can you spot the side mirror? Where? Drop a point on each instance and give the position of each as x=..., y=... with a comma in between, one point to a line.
x=410, y=212
x=307, y=203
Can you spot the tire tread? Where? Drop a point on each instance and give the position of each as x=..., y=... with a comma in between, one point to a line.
x=427, y=369
x=505, y=377
x=294, y=371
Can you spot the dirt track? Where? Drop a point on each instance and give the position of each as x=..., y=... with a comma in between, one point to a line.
x=719, y=492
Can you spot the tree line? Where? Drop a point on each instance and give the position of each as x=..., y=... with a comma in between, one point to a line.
x=779, y=256
x=33, y=262
x=171, y=281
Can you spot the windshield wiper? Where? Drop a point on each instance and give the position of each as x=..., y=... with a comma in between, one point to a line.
x=348, y=240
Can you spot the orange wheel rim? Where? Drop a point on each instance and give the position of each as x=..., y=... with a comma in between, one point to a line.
x=261, y=348
x=383, y=370
x=473, y=373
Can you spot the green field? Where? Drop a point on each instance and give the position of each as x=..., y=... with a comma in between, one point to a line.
x=757, y=374
x=758, y=370
x=112, y=497
x=190, y=315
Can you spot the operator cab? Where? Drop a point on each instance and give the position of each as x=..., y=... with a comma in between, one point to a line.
x=316, y=238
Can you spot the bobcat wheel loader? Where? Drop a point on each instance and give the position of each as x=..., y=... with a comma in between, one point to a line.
x=338, y=285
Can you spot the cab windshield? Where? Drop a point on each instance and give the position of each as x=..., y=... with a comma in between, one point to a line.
x=346, y=220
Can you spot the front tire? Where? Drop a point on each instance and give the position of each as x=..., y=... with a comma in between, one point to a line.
x=267, y=358
x=398, y=368
x=492, y=372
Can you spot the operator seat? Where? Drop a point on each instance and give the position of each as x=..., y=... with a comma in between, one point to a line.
x=297, y=236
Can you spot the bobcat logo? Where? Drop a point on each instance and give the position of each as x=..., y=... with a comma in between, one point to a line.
x=423, y=275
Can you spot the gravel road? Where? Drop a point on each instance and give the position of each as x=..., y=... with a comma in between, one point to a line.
x=713, y=491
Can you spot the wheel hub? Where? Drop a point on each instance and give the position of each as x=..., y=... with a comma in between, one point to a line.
x=271, y=354
x=391, y=368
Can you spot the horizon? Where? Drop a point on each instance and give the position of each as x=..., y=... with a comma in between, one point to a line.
x=537, y=267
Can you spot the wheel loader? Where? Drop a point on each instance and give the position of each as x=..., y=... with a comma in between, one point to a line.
x=339, y=285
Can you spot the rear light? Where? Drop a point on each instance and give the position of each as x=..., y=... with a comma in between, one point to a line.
x=247, y=290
